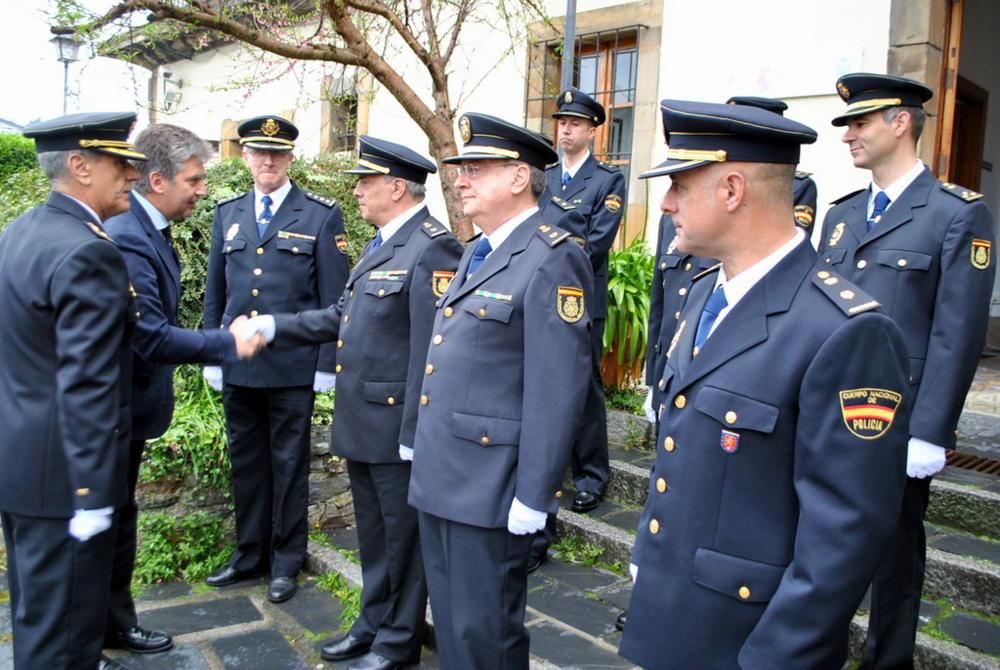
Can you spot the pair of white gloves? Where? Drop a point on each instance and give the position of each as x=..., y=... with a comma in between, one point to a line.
x=322, y=381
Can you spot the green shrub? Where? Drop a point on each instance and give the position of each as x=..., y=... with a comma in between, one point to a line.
x=187, y=547
x=630, y=274
x=19, y=192
x=17, y=154
x=349, y=597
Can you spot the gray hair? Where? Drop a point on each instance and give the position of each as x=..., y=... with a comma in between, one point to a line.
x=537, y=181
x=417, y=191
x=53, y=163
x=917, y=118
x=168, y=148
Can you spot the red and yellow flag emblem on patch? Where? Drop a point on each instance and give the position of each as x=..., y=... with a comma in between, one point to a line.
x=569, y=303
x=341, y=240
x=804, y=215
x=440, y=281
x=869, y=412
x=613, y=202
x=980, y=254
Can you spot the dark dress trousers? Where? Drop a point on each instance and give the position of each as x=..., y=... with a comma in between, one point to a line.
x=65, y=351
x=296, y=265
x=506, y=374
x=382, y=326
x=159, y=344
x=777, y=480
x=929, y=262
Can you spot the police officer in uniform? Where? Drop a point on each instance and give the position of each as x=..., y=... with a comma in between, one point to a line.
x=771, y=499
x=389, y=304
x=274, y=249
x=65, y=351
x=924, y=249
x=597, y=191
x=508, y=363
x=171, y=183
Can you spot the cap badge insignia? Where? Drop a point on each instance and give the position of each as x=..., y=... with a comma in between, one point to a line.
x=844, y=92
x=270, y=128
x=567, y=97
x=868, y=412
x=465, y=128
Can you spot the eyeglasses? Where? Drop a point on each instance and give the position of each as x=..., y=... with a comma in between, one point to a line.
x=473, y=169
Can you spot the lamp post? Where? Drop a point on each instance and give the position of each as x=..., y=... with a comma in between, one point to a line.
x=67, y=46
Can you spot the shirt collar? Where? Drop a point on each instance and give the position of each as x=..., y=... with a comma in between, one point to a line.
x=576, y=168
x=391, y=228
x=156, y=216
x=277, y=197
x=500, y=235
x=87, y=207
x=896, y=188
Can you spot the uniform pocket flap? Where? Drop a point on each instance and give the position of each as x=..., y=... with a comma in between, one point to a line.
x=380, y=289
x=737, y=411
x=834, y=256
x=491, y=310
x=385, y=393
x=485, y=430
x=296, y=246
x=234, y=245
x=739, y=578
x=668, y=261
x=904, y=260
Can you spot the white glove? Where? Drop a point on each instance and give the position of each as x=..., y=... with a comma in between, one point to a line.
x=923, y=459
x=522, y=520
x=324, y=381
x=257, y=324
x=213, y=375
x=86, y=523
x=647, y=407
x=405, y=452
x=633, y=570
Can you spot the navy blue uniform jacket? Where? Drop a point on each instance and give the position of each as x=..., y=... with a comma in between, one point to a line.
x=778, y=477
x=929, y=261
x=65, y=350
x=160, y=342
x=300, y=264
x=382, y=325
x=509, y=364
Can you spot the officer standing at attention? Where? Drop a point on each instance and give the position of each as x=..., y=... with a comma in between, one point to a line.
x=65, y=347
x=171, y=182
x=924, y=249
x=597, y=191
x=508, y=365
x=389, y=302
x=783, y=417
x=274, y=249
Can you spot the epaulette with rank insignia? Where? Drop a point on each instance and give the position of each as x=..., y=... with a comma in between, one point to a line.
x=564, y=205
x=320, y=199
x=432, y=229
x=961, y=192
x=846, y=197
x=608, y=166
x=551, y=234
x=845, y=295
x=229, y=199
x=801, y=174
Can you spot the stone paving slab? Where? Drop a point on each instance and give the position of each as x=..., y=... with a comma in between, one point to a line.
x=181, y=657
x=965, y=545
x=259, y=650
x=201, y=616
x=974, y=633
x=568, y=650
x=573, y=608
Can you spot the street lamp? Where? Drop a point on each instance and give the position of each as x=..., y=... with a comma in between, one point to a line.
x=67, y=46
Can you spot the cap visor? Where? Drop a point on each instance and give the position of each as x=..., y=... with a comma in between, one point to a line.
x=672, y=165
x=362, y=170
x=858, y=111
x=475, y=156
x=267, y=146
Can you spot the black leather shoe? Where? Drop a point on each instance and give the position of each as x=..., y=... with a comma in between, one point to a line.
x=372, y=661
x=225, y=576
x=110, y=664
x=344, y=648
x=281, y=589
x=138, y=640
x=620, y=621
x=535, y=562
x=585, y=501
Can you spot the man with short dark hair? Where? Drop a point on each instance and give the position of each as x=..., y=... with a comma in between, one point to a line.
x=171, y=182
x=65, y=354
x=924, y=249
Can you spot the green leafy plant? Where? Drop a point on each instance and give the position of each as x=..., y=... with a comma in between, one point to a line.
x=17, y=154
x=630, y=274
x=572, y=549
x=349, y=596
x=626, y=399
x=19, y=192
x=188, y=547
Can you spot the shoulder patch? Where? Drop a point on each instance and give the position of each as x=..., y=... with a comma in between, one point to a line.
x=801, y=174
x=849, y=298
x=961, y=192
x=432, y=228
x=552, y=235
x=846, y=197
x=328, y=202
x=228, y=200
x=608, y=166
x=564, y=205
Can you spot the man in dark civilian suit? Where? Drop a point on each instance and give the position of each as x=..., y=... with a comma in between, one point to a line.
x=596, y=190
x=171, y=183
x=389, y=302
x=783, y=419
x=65, y=355
x=506, y=372
x=274, y=249
x=924, y=249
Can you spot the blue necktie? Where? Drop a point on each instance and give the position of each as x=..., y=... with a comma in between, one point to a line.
x=374, y=244
x=265, y=216
x=716, y=303
x=881, y=204
x=566, y=179
x=479, y=254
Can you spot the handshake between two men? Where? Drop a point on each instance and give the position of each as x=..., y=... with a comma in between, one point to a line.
x=252, y=334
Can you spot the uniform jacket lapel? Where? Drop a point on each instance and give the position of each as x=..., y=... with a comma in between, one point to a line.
x=902, y=211
x=70, y=206
x=579, y=181
x=246, y=216
x=289, y=212
x=498, y=259
x=164, y=250
x=388, y=249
